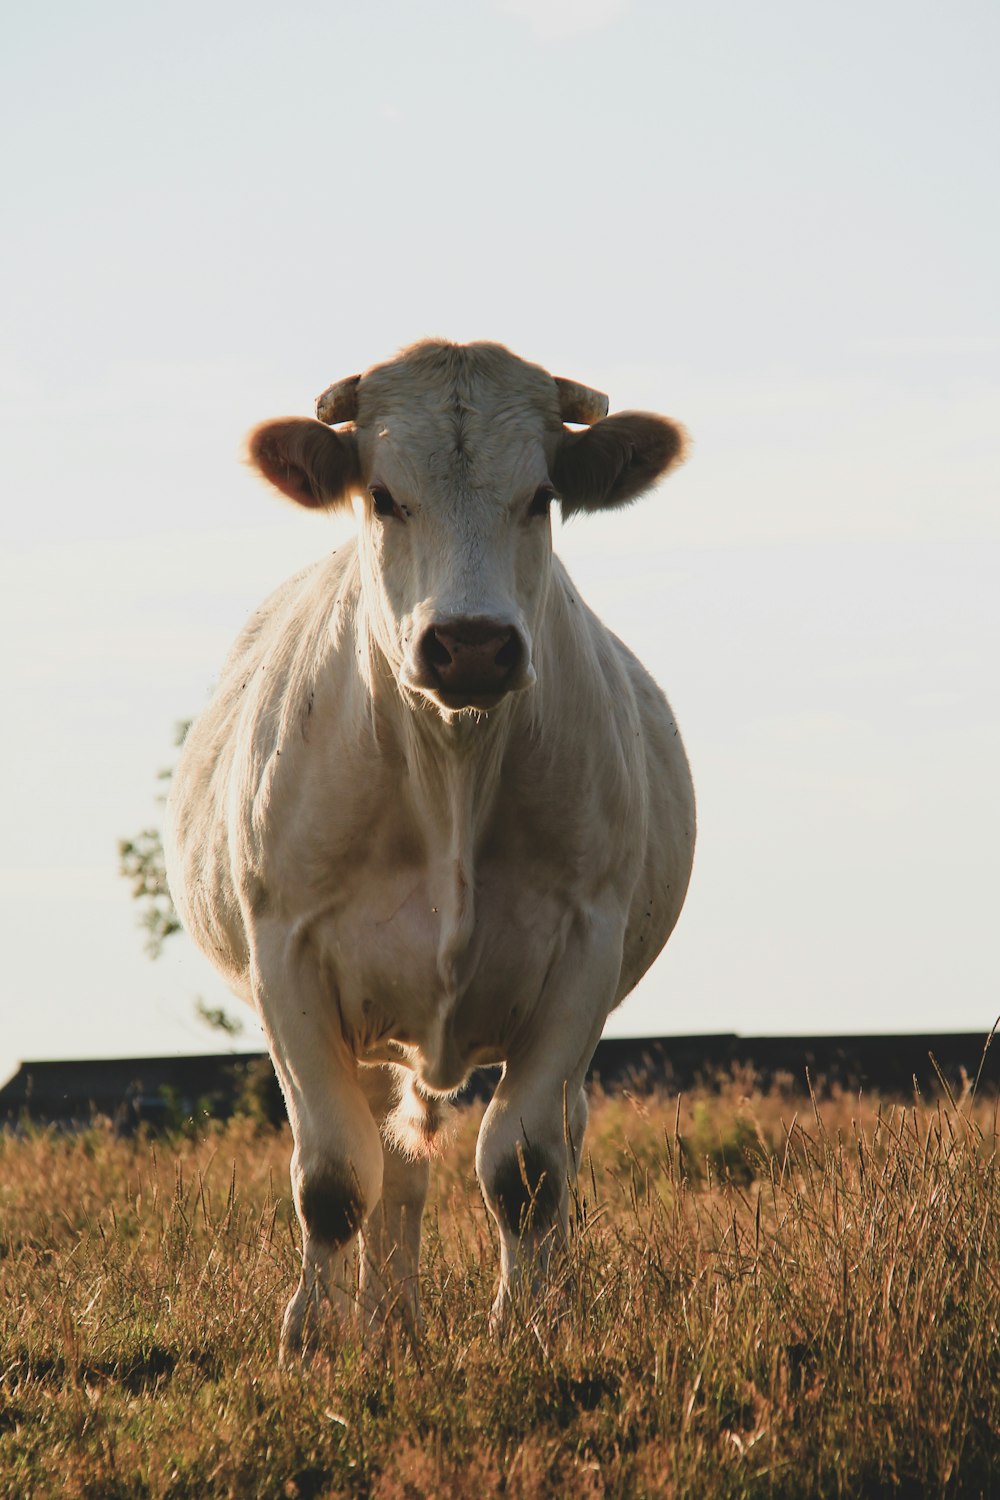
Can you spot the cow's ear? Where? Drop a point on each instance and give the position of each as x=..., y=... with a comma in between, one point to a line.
x=306, y=461
x=615, y=460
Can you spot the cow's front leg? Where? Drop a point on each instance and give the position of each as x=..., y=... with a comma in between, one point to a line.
x=336, y=1167
x=531, y=1139
x=527, y=1157
x=390, y=1243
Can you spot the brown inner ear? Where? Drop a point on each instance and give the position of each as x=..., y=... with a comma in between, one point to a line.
x=286, y=476
x=306, y=461
x=612, y=462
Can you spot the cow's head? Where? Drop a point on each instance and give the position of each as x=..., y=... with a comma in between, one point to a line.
x=457, y=452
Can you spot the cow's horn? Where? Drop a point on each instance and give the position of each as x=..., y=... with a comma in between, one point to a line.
x=578, y=403
x=339, y=403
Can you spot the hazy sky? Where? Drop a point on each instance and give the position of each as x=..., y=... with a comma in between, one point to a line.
x=778, y=223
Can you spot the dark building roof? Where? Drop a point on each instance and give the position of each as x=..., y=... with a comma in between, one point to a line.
x=159, y=1090
x=877, y=1064
x=166, y=1090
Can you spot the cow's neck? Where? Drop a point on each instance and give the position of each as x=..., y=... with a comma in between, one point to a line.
x=453, y=769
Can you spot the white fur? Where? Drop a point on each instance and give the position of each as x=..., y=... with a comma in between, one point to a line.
x=390, y=882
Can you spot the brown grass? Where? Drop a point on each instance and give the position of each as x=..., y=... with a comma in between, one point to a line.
x=763, y=1296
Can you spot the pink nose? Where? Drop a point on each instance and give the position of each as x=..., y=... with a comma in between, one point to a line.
x=471, y=658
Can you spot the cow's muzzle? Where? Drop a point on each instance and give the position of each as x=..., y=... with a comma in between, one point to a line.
x=472, y=663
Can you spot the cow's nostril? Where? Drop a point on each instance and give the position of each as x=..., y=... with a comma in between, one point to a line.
x=435, y=651
x=509, y=653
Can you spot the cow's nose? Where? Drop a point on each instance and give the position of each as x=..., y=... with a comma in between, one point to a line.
x=472, y=658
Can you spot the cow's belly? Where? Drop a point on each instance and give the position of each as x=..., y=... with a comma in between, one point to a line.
x=421, y=982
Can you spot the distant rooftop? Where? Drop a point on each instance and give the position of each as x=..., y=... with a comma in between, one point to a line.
x=157, y=1089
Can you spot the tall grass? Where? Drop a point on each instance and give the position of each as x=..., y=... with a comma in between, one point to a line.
x=764, y=1295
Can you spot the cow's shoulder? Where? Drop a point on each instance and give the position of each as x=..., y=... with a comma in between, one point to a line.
x=295, y=618
x=286, y=645
x=593, y=683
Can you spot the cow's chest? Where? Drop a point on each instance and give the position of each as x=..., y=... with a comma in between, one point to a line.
x=440, y=898
x=416, y=952
x=429, y=935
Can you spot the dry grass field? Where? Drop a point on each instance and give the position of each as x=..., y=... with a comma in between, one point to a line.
x=764, y=1296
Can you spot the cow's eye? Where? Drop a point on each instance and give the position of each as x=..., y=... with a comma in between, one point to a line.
x=541, y=500
x=383, y=502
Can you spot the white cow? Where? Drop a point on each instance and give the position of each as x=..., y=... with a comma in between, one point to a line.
x=436, y=815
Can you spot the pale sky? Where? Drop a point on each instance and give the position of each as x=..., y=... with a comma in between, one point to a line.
x=778, y=223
